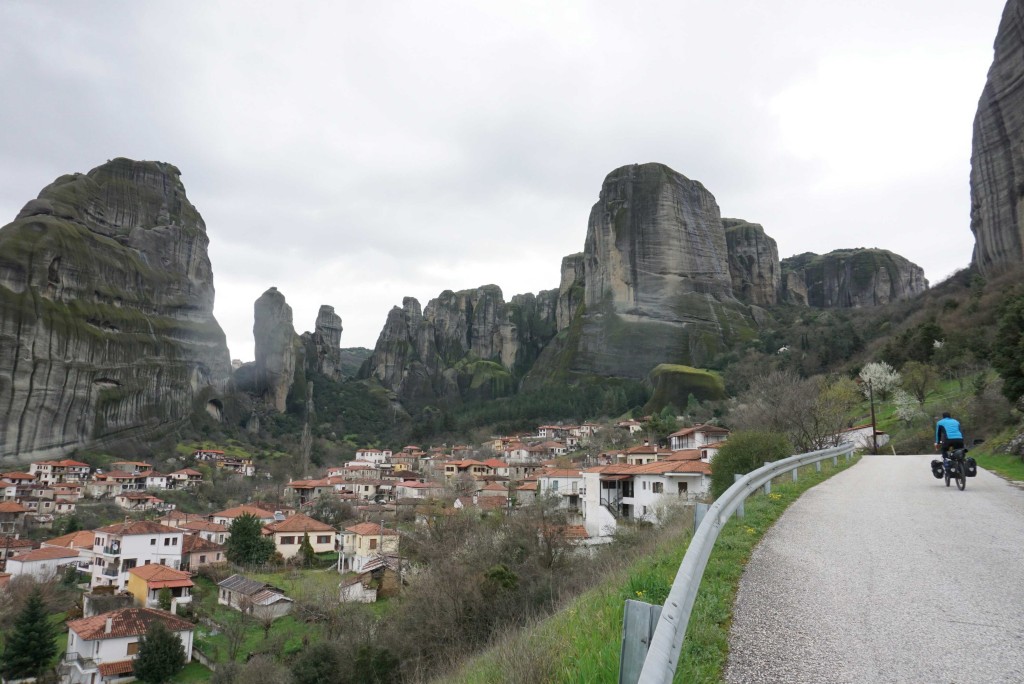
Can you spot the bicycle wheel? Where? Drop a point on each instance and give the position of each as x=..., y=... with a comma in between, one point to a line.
x=946, y=472
x=961, y=475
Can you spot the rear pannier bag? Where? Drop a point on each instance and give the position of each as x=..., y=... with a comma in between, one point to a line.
x=972, y=466
x=937, y=469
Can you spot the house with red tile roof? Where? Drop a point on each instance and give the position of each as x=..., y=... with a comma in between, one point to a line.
x=197, y=552
x=103, y=647
x=289, y=533
x=145, y=583
x=81, y=542
x=639, y=492
x=186, y=478
x=697, y=436
x=53, y=472
x=227, y=516
x=121, y=547
x=41, y=564
x=12, y=517
x=365, y=541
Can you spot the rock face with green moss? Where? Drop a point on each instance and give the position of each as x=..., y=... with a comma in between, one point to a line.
x=753, y=262
x=106, y=312
x=469, y=344
x=849, y=278
x=997, y=158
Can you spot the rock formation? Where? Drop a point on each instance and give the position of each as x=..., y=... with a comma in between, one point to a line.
x=997, y=159
x=466, y=344
x=657, y=287
x=571, y=289
x=753, y=262
x=850, y=278
x=323, y=345
x=276, y=348
x=106, y=312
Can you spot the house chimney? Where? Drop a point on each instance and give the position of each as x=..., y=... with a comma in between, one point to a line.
x=108, y=625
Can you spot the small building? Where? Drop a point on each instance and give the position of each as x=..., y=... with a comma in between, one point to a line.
x=186, y=478
x=258, y=598
x=141, y=501
x=145, y=583
x=12, y=517
x=101, y=648
x=227, y=516
x=41, y=564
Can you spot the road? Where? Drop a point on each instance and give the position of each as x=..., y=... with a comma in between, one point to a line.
x=883, y=574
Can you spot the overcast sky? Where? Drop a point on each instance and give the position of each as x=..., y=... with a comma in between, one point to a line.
x=356, y=153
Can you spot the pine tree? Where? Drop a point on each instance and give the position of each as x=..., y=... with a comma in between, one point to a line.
x=247, y=545
x=306, y=552
x=30, y=646
x=161, y=654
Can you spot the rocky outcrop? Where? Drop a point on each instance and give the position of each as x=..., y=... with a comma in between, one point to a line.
x=850, y=278
x=654, y=236
x=323, y=345
x=997, y=159
x=106, y=312
x=753, y=262
x=657, y=287
x=276, y=348
x=467, y=344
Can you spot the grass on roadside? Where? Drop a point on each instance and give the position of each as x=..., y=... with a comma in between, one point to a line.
x=1009, y=466
x=581, y=644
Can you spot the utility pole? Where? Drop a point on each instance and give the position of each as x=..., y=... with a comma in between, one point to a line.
x=874, y=430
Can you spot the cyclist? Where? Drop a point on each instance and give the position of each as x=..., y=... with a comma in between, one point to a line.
x=948, y=436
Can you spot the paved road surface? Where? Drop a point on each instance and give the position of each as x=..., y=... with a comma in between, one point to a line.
x=882, y=574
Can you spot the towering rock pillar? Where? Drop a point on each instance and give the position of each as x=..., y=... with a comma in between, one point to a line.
x=275, y=347
x=106, y=312
x=997, y=160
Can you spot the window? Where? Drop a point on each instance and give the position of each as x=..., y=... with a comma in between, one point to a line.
x=645, y=484
x=287, y=541
x=373, y=544
x=174, y=542
x=202, y=559
x=129, y=563
x=657, y=487
x=682, y=487
x=152, y=542
x=133, y=648
x=167, y=541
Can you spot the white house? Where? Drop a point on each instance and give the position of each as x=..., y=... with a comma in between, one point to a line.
x=121, y=547
x=227, y=516
x=289, y=533
x=860, y=435
x=364, y=542
x=418, y=490
x=566, y=483
x=639, y=492
x=101, y=648
x=155, y=480
x=53, y=472
x=80, y=542
x=697, y=436
x=42, y=564
x=376, y=456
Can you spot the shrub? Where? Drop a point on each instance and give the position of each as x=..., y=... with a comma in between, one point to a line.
x=744, y=452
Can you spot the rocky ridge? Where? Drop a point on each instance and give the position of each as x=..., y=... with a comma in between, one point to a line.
x=106, y=312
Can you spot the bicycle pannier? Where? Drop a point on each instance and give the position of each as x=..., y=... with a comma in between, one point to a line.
x=937, y=469
x=971, y=466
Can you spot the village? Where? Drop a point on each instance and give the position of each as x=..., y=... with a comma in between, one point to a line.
x=150, y=560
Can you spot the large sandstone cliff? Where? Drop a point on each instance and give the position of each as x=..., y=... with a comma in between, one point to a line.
x=997, y=160
x=106, y=311
x=848, y=278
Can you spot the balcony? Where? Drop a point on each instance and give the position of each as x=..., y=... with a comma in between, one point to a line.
x=114, y=550
x=110, y=571
x=84, y=663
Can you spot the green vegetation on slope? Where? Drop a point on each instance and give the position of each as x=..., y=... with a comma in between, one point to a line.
x=581, y=644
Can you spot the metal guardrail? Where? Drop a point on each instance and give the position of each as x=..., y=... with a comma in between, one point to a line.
x=662, y=656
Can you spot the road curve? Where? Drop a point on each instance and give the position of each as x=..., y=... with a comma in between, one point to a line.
x=883, y=574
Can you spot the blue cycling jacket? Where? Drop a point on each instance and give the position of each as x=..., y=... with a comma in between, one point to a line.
x=952, y=429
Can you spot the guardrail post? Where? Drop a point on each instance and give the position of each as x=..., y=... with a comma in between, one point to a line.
x=817, y=466
x=638, y=625
x=796, y=474
x=835, y=460
x=768, y=484
x=739, y=510
x=699, y=511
